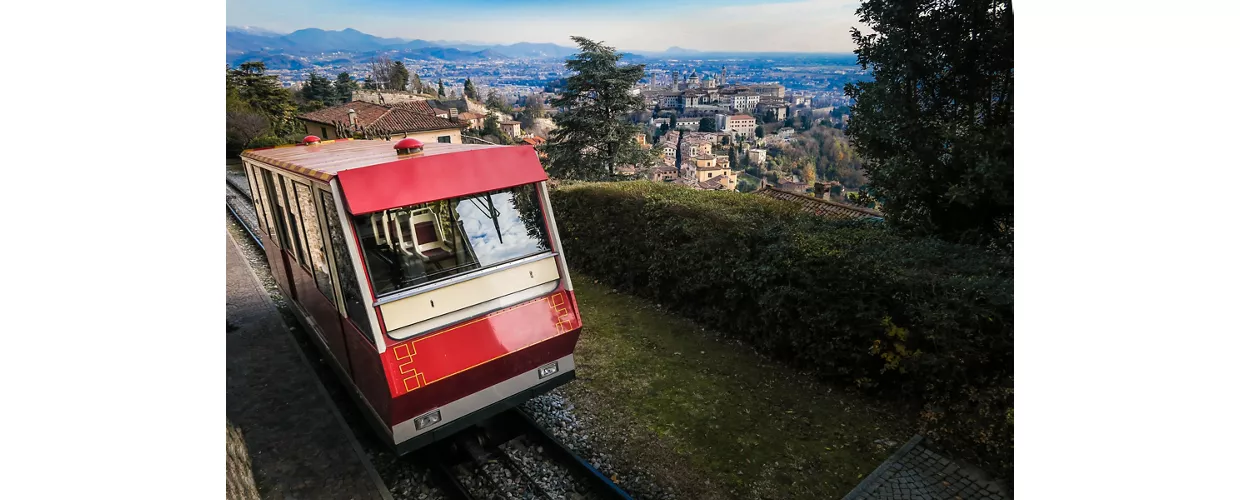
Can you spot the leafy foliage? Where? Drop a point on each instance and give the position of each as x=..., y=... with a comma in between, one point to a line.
x=593, y=134
x=915, y=318
x=707, y=124
x=471, y=92
x=398, y=78
x=318, y=88
x=827, y=149
x=935, y=125
x=497, y=103
x=254, y=98
x=344, y=87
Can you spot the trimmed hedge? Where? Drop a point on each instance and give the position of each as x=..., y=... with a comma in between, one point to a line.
x=913, y=318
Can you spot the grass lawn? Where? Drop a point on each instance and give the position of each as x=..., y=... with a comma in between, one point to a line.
x=711, y=418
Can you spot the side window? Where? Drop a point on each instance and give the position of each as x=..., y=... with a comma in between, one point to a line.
x=251, y=175
x=324, y=129
x=446, y=139
x=355, y=307
x=276, y=203
x=294, y=219
x=314, y=241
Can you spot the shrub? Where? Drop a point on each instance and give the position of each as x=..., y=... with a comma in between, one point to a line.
x=913, y=318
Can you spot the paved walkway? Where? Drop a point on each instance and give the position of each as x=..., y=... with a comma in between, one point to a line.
x=917, y=472
x=299, y=445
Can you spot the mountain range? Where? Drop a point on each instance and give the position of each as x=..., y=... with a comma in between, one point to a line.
x=294, y=50
x=251, y=43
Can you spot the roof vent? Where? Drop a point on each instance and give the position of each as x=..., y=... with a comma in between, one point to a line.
x=310, y=140
x=408, y=147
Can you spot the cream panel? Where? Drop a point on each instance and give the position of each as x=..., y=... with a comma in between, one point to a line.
x=427, y=305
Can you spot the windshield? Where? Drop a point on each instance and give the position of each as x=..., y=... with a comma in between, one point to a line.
x=417, y=244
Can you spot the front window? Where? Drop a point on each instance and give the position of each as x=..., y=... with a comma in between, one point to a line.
x=413, y=245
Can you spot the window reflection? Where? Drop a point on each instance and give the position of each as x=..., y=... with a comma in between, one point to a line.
x=413, y=245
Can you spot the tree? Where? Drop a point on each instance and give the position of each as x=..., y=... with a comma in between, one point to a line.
x=594, y=135
x=470, y=91
x=672, y=122
x=398, y=76
x=263, y=94
x=496, y=103
x=344, y=87
x=534, y=106
x=707, y=124
x=318, y=88
x=242, y=123
x=808, y=174
x=381, y=71
x=806, y=122
x=759, y=131
x=935, y=124
x=416, y=84
x=441, y=94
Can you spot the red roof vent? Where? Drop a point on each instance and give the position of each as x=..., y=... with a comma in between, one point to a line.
x=408, y=146
x=310, y=139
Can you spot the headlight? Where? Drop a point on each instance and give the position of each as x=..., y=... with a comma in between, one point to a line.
x=549, y=370
x=427, y=420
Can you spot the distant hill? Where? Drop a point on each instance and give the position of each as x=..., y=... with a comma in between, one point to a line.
x=271, y=61
x=358, y=46
x=313, y=41
x=348, y=40
x=679, y=50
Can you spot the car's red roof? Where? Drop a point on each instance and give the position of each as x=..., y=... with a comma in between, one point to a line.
x=374, y=178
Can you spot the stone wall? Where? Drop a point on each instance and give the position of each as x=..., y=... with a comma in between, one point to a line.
x=386, y=96
x=238, y=472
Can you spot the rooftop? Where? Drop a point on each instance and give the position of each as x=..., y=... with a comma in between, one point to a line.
x=414, y=116
x=823, y=208
x=740, y=117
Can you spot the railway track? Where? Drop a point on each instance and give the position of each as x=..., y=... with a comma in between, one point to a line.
x=511, y=449
x=508, y=457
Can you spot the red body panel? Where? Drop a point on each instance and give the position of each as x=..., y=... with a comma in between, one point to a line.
x=482, y=377
x=367, y=370
x=324, y=313
x=436, y=177
x=459, y=360
x=275, y=259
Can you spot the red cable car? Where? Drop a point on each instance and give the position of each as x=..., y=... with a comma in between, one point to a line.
x=432, y=276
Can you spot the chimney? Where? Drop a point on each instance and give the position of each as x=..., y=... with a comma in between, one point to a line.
x=819, y=189
x=762, y=183
x=452, y=113
x=352, y=117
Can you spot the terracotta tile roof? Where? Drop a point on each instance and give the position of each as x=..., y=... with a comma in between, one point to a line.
x=415, y=116
x=533, y=140
x=822, y=208
x=419, y=107
x=740, y=117
x=715, y=182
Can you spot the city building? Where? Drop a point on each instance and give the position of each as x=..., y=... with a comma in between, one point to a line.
x=510, y=127
x=757, y=156
x=742, y=125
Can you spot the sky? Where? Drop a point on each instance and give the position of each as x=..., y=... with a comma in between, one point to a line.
x=708, y=25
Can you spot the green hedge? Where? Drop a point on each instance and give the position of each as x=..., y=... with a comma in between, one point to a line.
x=913, y=318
